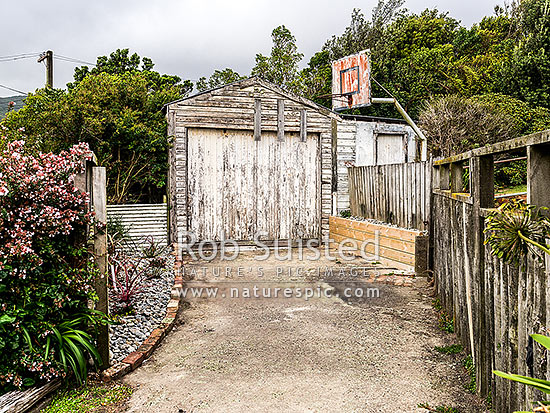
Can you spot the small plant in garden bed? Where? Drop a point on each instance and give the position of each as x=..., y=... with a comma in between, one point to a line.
x=157, y=266
x=130, y=266
x=127, y=278
x=153, y=249
x=117, y=234
x=46, y=278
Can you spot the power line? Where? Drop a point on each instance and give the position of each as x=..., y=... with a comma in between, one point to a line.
x=10, y=58
x=19, y=55
x=13, y=90
x=72, y=60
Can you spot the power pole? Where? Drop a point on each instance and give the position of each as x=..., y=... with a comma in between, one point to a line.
x=48, y=57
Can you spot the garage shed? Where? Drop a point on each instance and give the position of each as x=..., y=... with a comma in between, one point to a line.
x=249, y=158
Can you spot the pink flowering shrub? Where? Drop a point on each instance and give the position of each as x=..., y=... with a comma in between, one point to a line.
x=45, y=274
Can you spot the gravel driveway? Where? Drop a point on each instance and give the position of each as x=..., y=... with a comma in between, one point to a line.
x=323, y=354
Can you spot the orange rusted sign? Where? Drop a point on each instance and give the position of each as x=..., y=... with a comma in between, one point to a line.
x=351, y=81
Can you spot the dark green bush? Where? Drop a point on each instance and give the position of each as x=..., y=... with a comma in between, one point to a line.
x=511, y=174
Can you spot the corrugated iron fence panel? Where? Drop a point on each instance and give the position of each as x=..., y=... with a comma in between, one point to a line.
x=142, y=220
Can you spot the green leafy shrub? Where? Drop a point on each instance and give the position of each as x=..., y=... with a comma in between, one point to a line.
x=511, y=174
x=454, y=124
x=71, y=344
x=526, y=119
x=46, y=278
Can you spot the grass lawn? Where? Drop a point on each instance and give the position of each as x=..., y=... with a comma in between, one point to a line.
x=511, y=190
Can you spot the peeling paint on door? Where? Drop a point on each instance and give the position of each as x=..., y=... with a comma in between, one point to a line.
x=239, y=186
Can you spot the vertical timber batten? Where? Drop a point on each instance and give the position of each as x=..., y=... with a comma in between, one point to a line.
x=303, y=125
x=281, y=119
x=257, y=119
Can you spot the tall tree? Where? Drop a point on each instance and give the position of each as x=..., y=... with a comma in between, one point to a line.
x=362, y=34
x=120, y=61
x=527, y=74
x=115, y=107
x=281, y=67
x=218, y=78
x=316, y=78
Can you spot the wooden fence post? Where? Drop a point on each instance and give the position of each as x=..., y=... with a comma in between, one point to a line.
x=482, y=187
x=99, y=203
x=444, y=177
x=456, y=177
x=538, y=175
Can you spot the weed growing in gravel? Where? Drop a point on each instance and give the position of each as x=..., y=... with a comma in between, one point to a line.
x=438, y=409
x=446, y=322
x=452, y=349
x=436, y=304
x=107, y=398
x=471, y=369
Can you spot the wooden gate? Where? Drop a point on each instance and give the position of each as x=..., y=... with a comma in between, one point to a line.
x=239, y=186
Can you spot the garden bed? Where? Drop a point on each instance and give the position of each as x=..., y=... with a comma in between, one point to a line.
x=404, y=249
x=148, y=310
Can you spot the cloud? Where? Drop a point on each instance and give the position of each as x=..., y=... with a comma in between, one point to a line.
x=183, y=37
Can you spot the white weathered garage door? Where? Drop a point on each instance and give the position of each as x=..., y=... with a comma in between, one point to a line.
x=238, y=186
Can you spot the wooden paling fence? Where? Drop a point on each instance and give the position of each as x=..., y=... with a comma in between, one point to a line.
x=495, y=306
x=397, y=194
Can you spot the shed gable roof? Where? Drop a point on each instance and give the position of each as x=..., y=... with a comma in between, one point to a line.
x=256, y=81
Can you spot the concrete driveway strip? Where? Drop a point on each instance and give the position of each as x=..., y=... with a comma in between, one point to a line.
x=344, y=345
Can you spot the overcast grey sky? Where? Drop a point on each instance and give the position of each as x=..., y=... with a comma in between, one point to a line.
x=183, y=37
